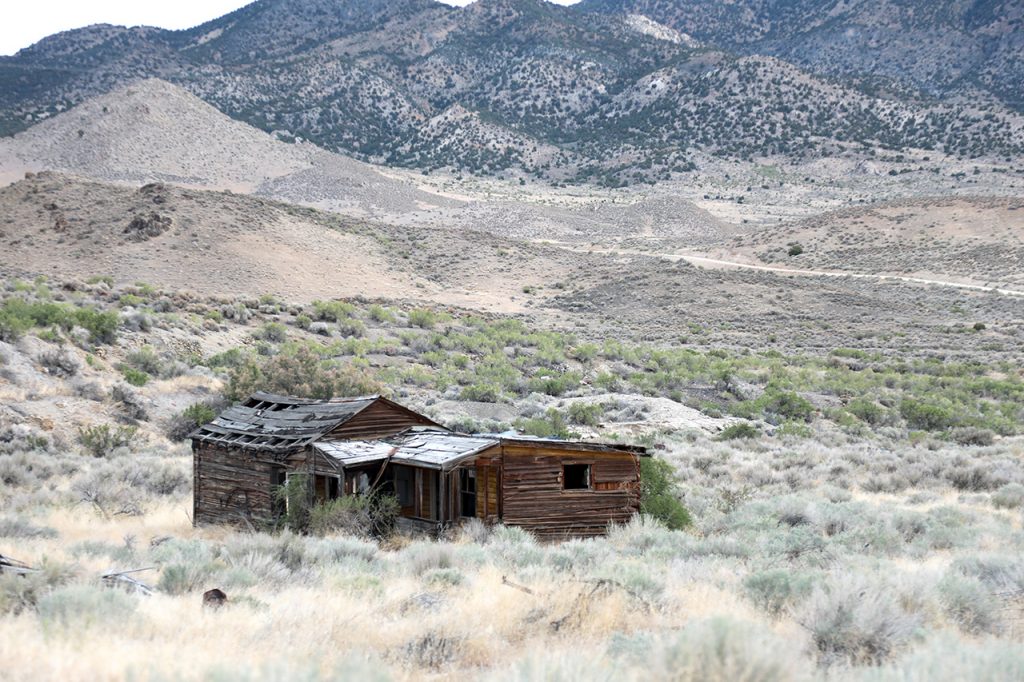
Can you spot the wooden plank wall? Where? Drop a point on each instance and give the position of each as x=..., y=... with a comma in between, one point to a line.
x=533, y=498
x=426, y=483
x=488, y=490
x=376, y=421
x=231, y=485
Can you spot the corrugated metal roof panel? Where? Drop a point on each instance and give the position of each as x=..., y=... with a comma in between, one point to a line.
x=353, y=452
x=429, y=449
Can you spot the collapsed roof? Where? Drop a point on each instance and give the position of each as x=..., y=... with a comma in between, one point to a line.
x=278, y=423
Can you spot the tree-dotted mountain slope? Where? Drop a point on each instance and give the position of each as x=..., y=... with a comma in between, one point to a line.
x=946, y=47
x=631, y=93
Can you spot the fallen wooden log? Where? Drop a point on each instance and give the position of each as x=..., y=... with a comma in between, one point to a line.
x=9, y=565
x=521, y=588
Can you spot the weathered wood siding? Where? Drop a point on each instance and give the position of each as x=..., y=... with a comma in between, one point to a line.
x=376, y=421
x=488, y=489
x=232, y=485
x=426, y=485
x=532, y=496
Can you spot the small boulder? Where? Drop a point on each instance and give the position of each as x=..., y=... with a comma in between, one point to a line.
x=214, y=599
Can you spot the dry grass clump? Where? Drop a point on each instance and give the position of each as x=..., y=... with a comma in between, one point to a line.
x=856, y=622
x=844, y=548
x=766, y=588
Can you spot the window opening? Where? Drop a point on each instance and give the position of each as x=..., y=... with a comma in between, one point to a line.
x=576, y=477
x=467, y=491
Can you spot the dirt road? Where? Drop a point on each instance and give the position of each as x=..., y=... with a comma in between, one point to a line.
x=717, y=263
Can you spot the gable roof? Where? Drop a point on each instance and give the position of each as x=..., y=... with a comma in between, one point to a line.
x=278, y=423
x=427, y=448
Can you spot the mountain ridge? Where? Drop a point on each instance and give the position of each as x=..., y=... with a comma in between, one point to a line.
x=588, y=93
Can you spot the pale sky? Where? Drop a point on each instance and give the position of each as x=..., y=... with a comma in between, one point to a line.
x=26, y=22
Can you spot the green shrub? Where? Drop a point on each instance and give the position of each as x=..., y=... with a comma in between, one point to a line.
x=181, y=578
x=853, y=621
x=229, y=359
x=1010, y=496
x=379, y=313
x=19, y=593
x=101, y=440
x=146, y=360
x=775, y=591
x=850, y=353
x=866, y=410
x=351, y=327
x=586, y=352
x=272, y=332
x=586, y=414
x=969, y=604
x=12, y=326
x=659, y=494
x=739, y=430
x=294, y=498
x=553, y=384
x=443, y=577
x=551, y=425
x=102, y=326
x=924, y=415
x=795, y=250
x=299, y=371
x=971, y=435
x=788, y=405
x=713, y=650
x=191, y=418
x=480, y=392
x=134, y=376
x=17, y=316
x=423, y=318
x=333, y=311
x=15, y=527
x=370, y=515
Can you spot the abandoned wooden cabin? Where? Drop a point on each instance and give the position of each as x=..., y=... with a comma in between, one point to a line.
x=349, y=446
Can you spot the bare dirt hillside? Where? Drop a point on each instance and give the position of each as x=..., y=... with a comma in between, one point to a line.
x=956, y=239
x=229, y=245
x=655, y=221
x=219, y=243
x=154, y=131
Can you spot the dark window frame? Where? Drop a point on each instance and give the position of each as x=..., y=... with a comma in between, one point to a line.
x=467, y=493
x=577, y=476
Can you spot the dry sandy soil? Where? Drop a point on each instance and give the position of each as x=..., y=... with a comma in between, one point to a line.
x=960, y=239
x=217, y=243
x=228, y=245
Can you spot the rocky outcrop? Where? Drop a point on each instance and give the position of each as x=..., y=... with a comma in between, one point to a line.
x=143, y=227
